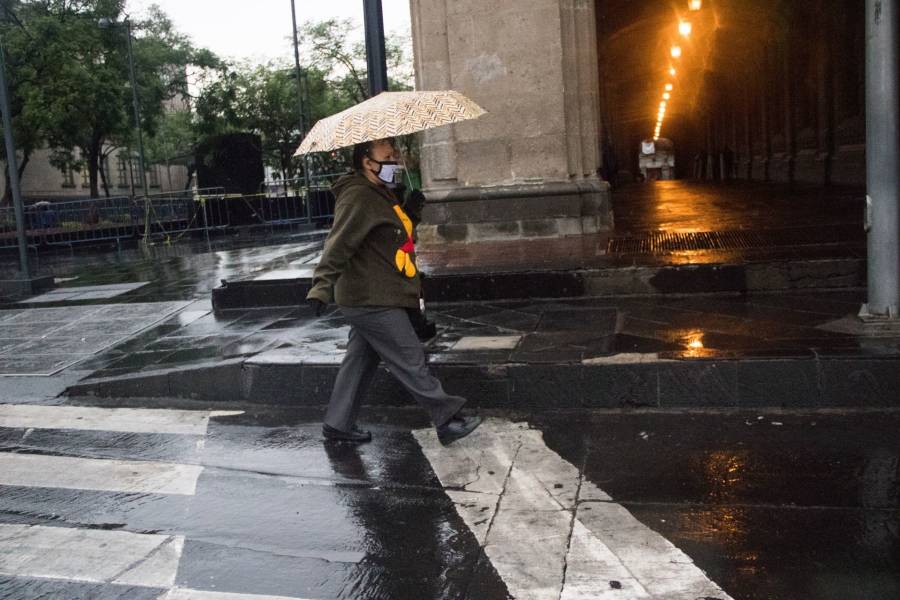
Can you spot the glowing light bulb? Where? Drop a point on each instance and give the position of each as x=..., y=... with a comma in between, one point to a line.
x=667, y=95
x=668, y=87
x=685, y=28
x=695, y=4
x=672, y=71
x=676, y=51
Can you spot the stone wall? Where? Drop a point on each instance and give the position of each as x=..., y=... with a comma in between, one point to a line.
x=528, y=167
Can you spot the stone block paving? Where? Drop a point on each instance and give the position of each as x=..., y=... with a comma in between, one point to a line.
x=94, y=292
x=114, y=340
x=44, y=341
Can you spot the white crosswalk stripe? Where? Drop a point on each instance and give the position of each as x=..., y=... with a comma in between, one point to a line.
x=94, y=555
x=89, y=418
x=117, y=557
x=550, y=533
x=74, y=473
x=187, y=594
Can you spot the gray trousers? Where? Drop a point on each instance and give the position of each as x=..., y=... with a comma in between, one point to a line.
x=385, y=333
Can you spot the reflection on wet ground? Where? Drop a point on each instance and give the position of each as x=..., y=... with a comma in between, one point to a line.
x=174, y=275
x=790, y=223
x=781, y=505
x=276, y=511
x=797, y=325
x=692, y=328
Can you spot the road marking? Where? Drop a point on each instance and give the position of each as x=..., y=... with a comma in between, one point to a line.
x=548, y=531
x=117, y=557
x=187, y=594
x=69, y=472
x=88, y=418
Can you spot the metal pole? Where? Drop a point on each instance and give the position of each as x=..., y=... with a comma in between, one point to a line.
x=882, y=160
x=13, y=165
x=376, y=57
x=303, y=123
x=140, y=136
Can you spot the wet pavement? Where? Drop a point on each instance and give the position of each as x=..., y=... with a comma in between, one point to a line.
x=169, y=273
x=547, y=500
x=684, y=222
x=778, y=505
x=697, y=329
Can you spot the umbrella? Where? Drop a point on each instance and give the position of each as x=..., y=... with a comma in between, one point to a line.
x=387, y=115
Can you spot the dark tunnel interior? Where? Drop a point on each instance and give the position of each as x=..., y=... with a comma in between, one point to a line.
x=766, y=90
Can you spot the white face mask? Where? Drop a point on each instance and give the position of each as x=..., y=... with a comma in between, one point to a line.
x=391, y=174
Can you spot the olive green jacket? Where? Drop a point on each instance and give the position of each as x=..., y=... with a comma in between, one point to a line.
x=359, y=264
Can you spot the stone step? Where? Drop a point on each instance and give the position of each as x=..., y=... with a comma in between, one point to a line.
x=829, y=273
x=623, y=380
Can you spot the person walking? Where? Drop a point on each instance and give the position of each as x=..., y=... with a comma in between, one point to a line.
x=368, y=269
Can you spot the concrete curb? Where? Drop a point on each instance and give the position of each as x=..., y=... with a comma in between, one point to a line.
x=819, y=382
x=613, y=281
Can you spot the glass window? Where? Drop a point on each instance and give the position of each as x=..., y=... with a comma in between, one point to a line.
x=68, y=176
x=122, y=171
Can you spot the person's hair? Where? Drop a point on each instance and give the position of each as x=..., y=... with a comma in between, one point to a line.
x=362, y=150
x=359, y=151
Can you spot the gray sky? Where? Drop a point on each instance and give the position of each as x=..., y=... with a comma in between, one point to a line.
x=259, y=30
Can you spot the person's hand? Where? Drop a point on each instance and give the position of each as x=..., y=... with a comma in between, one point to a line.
x=317, y=305
x=416, y=200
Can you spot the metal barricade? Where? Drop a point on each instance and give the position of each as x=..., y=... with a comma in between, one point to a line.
x=8, y=237
x=173, y=214
x=80, y=221
x=204, y=211
x=288, y=202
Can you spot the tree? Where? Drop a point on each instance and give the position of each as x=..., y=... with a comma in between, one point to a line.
x=334, y=47
x=79, y=80
x=27, y=66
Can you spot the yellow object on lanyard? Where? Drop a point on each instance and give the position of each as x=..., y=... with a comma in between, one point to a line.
x=404, y=259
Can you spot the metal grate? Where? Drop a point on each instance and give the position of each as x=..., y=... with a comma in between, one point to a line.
x=665, y=242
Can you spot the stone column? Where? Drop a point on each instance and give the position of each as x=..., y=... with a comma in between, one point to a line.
x=748, y=138
x=528, y=168
x=790, y=130
x=826, y=104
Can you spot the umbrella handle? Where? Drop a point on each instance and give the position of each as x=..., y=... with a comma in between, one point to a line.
x=408, y=178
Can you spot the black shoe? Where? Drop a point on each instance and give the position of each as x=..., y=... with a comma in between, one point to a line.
x=356, y=434
x=456, y=428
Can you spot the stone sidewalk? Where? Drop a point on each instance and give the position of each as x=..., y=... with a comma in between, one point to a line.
x=794, y=350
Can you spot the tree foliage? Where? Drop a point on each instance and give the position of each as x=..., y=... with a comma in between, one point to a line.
x=69, y=84
x=70, y=80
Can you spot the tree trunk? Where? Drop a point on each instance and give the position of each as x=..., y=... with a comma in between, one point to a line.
x=103, y=178
x=7, y=191
x=93, y=166
x=6, y=200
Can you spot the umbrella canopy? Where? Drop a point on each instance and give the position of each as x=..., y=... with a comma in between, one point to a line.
x=387, y=115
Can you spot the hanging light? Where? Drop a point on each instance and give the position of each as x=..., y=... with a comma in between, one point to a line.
x=676, y=51
x=695, y=4
x=685, y=28
x=668, y=87
x=672, y=71
x=666, y=95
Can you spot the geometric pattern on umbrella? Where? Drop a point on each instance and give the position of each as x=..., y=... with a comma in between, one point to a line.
x=389, y=114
